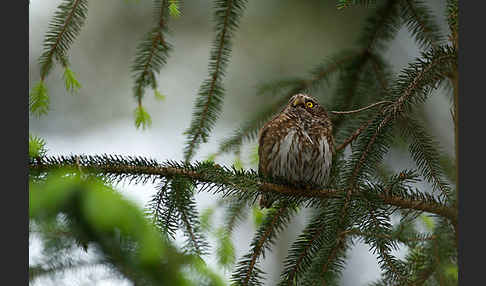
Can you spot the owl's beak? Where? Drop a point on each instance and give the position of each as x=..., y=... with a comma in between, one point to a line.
x=299, y=101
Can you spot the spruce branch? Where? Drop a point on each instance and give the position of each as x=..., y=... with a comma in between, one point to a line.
x=247, y=272
x=305, y=247
x=377, y=221
x=421, y=23
x=140, y=256
x=211, y=93
x=187, y=214
x=374, y=143
x=216, y=179
x=63, y=29
x=152, y=54
x=425, y=153
x=235, y=212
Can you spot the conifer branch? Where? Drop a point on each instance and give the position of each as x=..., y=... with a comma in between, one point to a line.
x=174, y=208
x=235, y=213
x=152, y=53
x=219, y=179
x=378, y=67
x=421, y=23
x=211, y=92
x=426, y=155
x=63, y=29
x=247, y=273
x=259, y=245
x=393, y=271
x=361, y=155
x=305, y=247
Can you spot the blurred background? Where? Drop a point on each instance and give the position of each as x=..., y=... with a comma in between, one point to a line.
x=276, y=39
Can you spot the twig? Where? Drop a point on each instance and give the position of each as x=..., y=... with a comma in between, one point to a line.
x=363, y=108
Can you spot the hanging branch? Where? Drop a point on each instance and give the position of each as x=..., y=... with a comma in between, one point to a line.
x=211, y=93
x=185, y=211
x=152, y=53
x=247, y=271
x=377, y=221
x=421, y=23
x=305, y=247
x=425, y=153
x=63, y=30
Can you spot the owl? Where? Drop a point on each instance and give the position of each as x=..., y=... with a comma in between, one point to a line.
x=297, y=145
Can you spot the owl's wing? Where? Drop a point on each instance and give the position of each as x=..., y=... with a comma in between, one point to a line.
x=267, y=138
x=262, y=159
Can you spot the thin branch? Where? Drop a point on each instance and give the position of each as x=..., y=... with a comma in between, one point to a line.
x=363, y=108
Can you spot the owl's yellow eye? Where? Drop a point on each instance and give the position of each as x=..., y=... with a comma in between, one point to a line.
x=309, y=104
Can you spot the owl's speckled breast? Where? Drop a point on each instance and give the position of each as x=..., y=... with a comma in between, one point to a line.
x=302, y=158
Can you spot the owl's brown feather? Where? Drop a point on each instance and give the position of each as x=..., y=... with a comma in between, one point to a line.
x=297, y=144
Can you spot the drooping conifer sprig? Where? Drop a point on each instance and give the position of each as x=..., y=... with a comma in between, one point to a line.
x=63, y=30
x=236, y=211
x=227, y=14
x=430, y=260
x=247, y=271
x=377, y=221
x=64, y=27
x=421, y=23
x=152, y=54
x=426, y=154
x=181, y=200
x=306, y=246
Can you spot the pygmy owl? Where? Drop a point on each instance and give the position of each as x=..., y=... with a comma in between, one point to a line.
x=297, y=145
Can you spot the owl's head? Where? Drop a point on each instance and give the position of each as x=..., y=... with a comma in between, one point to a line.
x=305, y=106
